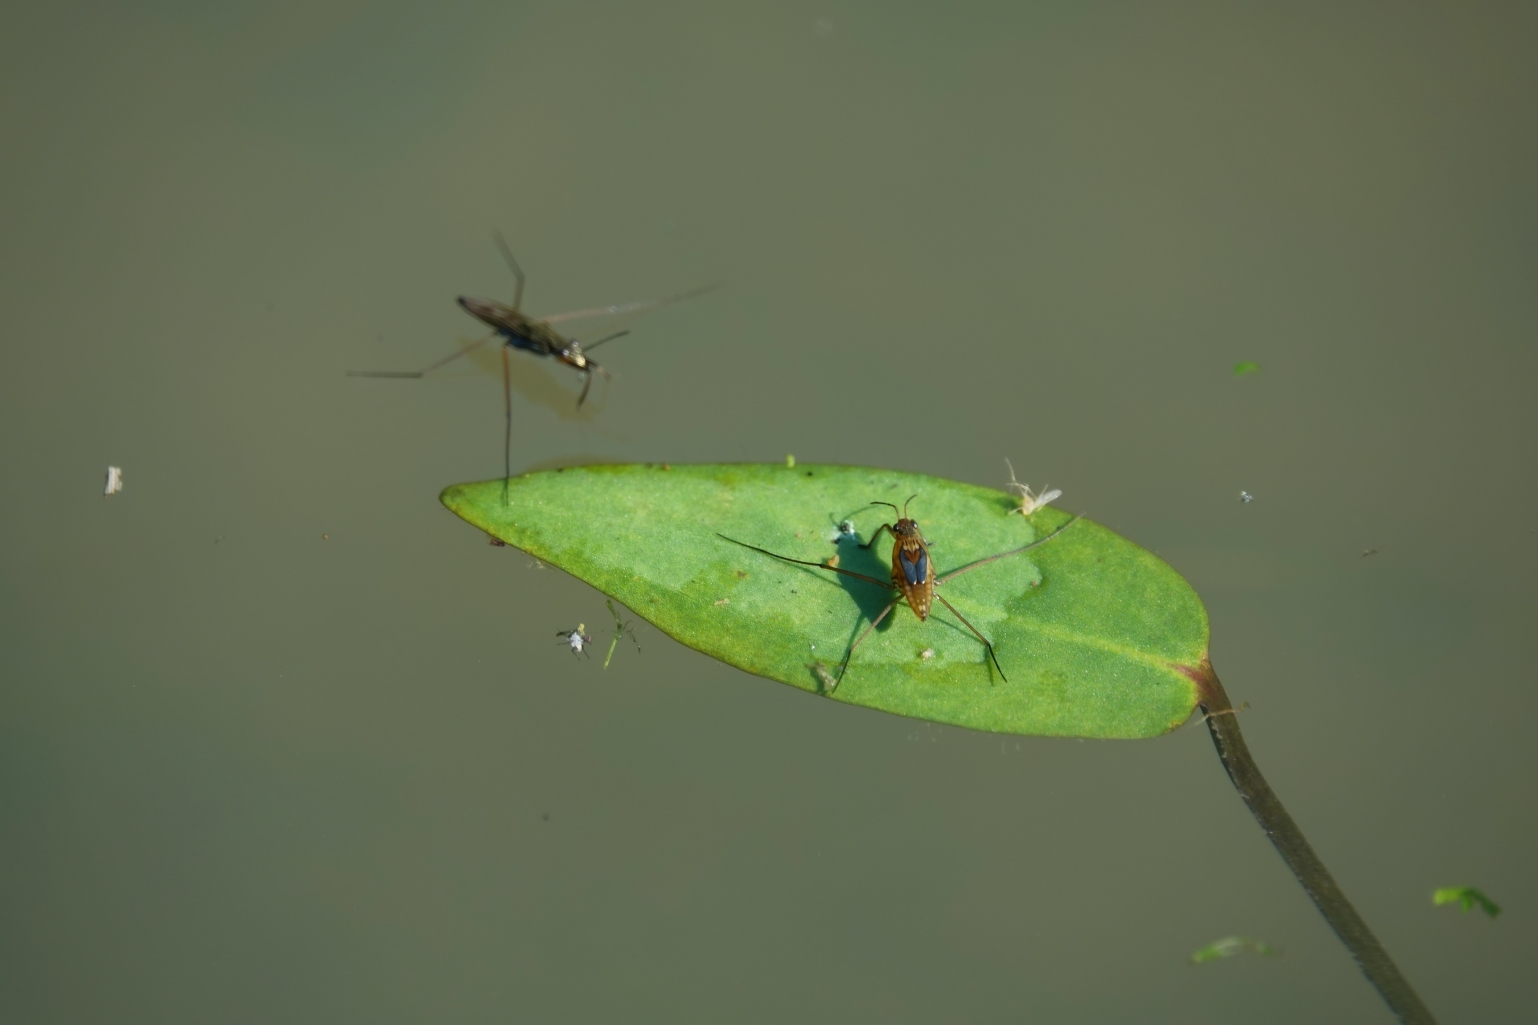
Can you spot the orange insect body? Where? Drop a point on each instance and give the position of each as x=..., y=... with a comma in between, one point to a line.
x=912, y=571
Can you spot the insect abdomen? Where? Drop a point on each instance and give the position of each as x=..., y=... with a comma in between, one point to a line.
x=912, y=573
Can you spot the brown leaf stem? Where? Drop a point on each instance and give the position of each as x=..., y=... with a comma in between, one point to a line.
x=1299, y=856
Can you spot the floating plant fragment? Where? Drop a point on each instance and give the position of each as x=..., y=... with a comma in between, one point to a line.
x=621, y=628
x=1466, y=897
x=1246, y=367
x=114, y=480
x=1228, y=946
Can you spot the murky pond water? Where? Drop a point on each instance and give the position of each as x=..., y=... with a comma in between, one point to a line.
x=283, y=740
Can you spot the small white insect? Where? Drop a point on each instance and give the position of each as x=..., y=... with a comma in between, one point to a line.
x=927, y=654
x=1246, y=497
x=577, y=639
x=114, y=480
x=1030, y=503
x=846, y=532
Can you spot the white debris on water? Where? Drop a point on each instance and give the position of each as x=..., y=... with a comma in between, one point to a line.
x=1029, y=502
x=577, y=638
x=114, y=480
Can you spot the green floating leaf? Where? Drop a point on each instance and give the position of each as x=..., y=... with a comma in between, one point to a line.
x=1228, y=946
x=1097, y=635
x=1246, y=367
x=1467, y=897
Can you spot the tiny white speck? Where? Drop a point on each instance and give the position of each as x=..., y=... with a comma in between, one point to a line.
x=114, y=480
x=1246, y=497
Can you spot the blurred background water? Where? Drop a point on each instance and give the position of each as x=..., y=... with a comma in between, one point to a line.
x=283, y=740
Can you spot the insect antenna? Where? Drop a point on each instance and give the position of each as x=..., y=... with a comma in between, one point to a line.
x=507, y=254
x=890, y=506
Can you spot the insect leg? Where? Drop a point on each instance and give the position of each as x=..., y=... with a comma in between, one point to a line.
x=609, y=338
x=885, y=526
x=803, y=562
x=425, y=371
x=842, y=669
x=507, y=254
x=979, y=636
x=585, y=386
x=636, y=307
x=507, y=429
x=1013, y=551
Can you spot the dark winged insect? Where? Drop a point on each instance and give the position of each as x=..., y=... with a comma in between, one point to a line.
x=576, y=639
x=518, y=330
x=913, y=578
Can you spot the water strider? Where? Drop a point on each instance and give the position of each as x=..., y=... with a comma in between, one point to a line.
x=518, y=330
x=913, y=577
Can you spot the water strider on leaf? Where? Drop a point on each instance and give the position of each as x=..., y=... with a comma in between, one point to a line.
x=913, y=578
